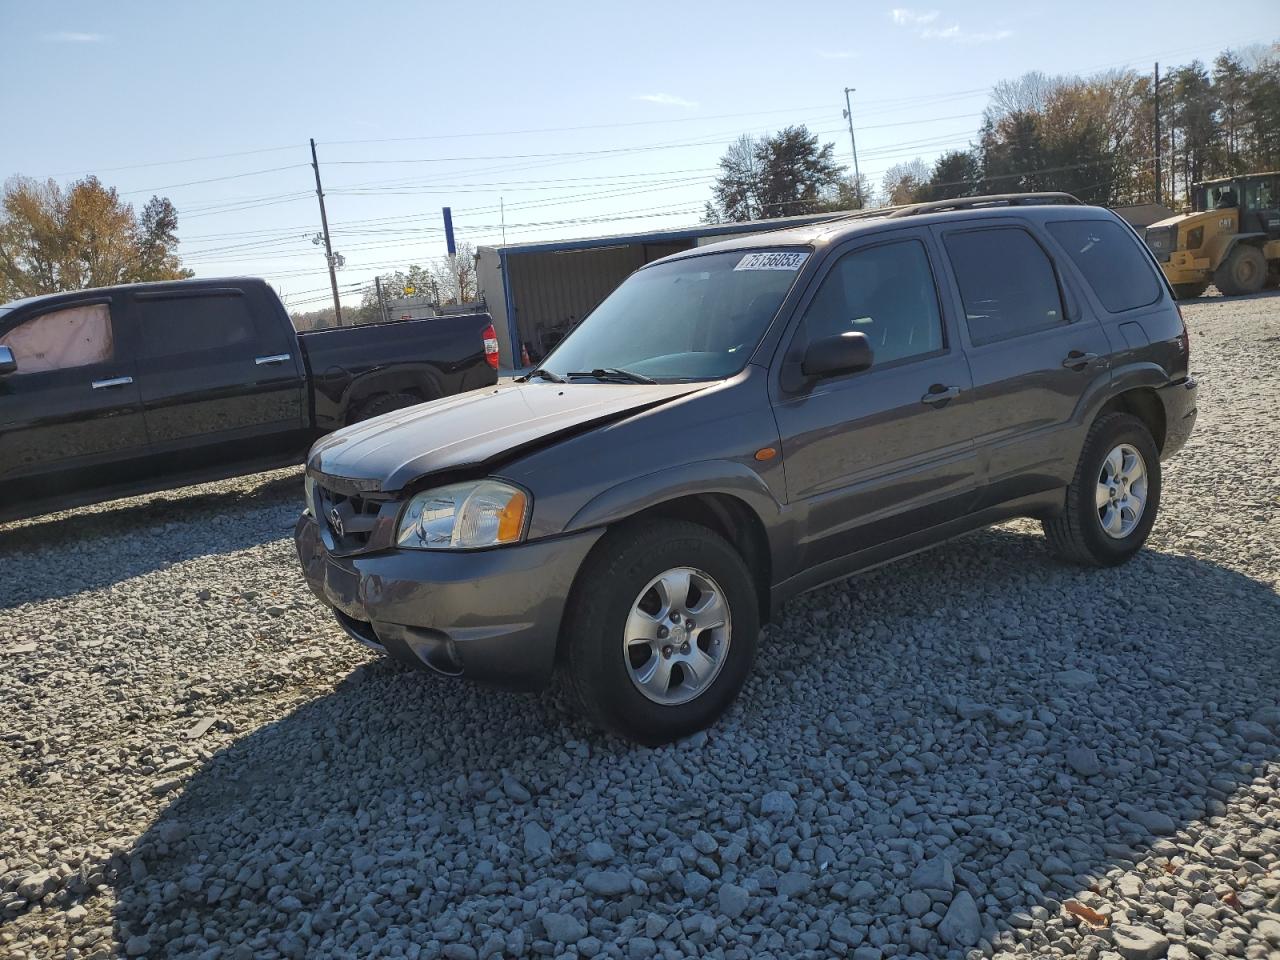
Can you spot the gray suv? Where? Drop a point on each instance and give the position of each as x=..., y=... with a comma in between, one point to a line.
x=744, y=421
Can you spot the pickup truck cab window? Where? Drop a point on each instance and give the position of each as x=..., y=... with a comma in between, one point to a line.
x=693, y=318
x=62, y=339
x=1006, y=281
x=886, y=292
x=174, y=326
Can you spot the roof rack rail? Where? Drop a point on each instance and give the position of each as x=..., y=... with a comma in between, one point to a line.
x=991, y=200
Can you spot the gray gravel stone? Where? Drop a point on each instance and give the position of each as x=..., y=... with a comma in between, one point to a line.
x=733, y=900
x=961, y=926
x=1139, y=942
x=607, y=883
x=564, y=927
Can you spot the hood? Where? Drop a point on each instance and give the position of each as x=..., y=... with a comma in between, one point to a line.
x=474, y=428
x=1172, y=221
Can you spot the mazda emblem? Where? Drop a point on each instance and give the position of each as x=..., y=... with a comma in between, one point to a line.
x=335, y=520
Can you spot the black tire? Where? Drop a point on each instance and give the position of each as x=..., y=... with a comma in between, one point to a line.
x=384, y=403
x=1077, y=535
x=1244, y=271
x=1189, y=291
x=616, y=572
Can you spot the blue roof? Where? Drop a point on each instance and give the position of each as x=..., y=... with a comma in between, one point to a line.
x=658, y=236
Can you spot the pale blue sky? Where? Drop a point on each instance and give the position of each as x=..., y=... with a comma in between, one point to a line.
x=456, y=95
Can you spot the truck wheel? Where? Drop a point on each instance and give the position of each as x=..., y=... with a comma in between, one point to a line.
x=1189, y=291
x=1242, y=272
x=661, y=630
x=384, y=403
x=1113, y=499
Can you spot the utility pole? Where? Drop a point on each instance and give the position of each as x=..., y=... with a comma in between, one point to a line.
x=328, y=247
x=1157, y=92
x=382, y=303
x=857, y=177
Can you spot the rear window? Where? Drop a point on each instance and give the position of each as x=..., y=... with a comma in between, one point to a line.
x=1110, y=260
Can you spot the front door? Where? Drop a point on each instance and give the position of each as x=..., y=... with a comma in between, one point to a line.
x=885, y=452
x=70, y=414
x=1034, y=349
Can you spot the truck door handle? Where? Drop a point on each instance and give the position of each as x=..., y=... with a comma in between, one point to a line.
x=113, y=382
x=274, y=360
x=1075, y=360
x=939, y=394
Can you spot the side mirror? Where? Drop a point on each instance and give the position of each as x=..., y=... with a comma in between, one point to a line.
x=832, y=356
x=7, y=362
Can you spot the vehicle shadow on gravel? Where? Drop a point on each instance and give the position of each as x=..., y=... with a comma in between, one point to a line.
x=983, y=723
x=134, y=537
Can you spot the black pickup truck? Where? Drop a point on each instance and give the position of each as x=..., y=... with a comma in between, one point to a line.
x=123, y=390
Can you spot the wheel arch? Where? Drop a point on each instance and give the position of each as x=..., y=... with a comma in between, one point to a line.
x=737, y=508
x=366, y=388
x=1143, y=403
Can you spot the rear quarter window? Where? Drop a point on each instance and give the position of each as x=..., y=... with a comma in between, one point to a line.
x=1108, y=256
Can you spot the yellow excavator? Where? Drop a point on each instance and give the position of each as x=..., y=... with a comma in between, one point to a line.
x=1231, y=238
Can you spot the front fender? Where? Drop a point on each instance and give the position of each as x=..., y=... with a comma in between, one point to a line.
x=700, y=477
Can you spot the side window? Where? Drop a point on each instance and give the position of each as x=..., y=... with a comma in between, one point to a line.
x=886, y=292
x=62, y=339
x=174, y=326
x=1108, y=256
x=1006, y=282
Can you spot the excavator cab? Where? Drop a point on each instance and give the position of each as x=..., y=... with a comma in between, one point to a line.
x=1231, y=238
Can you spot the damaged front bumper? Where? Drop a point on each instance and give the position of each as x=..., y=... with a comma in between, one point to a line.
x=488, y=615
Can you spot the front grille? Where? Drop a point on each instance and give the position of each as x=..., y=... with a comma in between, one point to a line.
x=349, y=517
x=1160, y=241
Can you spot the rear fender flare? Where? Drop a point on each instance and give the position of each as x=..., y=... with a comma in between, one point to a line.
x=1123, y=379
x=362, y=387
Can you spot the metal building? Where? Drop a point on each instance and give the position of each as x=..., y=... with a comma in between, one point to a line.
x=536, y=292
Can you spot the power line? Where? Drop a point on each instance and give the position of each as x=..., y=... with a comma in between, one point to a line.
x=230, y=176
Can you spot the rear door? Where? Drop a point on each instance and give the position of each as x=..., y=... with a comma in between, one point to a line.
x=1034, y=351
x=886, y=452
x=219, y=374
x=70, y=415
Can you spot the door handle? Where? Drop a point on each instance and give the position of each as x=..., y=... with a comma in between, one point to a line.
x=1075, y=360
x=274, y=360
x=939, y=394
x=113, y=382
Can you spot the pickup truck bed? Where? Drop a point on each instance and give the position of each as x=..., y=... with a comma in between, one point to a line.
x=122, y=390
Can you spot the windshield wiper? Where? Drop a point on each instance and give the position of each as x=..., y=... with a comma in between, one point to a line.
x=614, y=373
x=545, y=375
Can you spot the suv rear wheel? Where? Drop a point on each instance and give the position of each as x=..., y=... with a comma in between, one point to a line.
x=1113, y=499
x=661, y=630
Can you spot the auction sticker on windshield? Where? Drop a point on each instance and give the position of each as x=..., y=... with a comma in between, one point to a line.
x=772, y=261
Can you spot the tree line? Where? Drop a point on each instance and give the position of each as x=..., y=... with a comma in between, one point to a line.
x=55, y=238
x=1094, y=137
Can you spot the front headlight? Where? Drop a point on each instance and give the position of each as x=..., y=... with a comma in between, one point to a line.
x=484, y=513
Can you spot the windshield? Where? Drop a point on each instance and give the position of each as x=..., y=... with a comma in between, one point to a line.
x=697, y=318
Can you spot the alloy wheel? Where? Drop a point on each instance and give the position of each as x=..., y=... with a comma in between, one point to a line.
x=677, y=636
x=1122, y=491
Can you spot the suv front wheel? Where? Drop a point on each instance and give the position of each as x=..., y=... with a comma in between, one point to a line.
x=661, y=630
x=1113, y=499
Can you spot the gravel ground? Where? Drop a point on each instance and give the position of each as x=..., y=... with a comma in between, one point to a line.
x=980, y=750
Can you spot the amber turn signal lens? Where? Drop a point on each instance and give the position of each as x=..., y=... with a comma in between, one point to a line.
x=766, y=453
x=511, y=518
